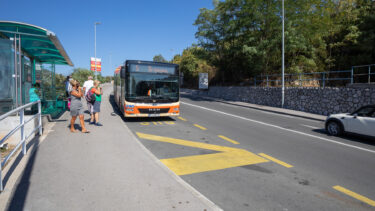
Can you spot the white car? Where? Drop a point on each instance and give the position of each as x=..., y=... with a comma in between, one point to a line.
x=362, y=122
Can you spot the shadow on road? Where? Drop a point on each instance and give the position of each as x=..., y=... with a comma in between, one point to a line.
x=350, y=137
x=18, y=198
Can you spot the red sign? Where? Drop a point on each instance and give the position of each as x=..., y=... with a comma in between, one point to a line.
x=118, y=69
x=96, y=65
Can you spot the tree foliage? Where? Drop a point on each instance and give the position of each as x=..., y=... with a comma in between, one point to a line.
x=82, y=74
x=192, y=62
x=242, y=38
x=159, y=58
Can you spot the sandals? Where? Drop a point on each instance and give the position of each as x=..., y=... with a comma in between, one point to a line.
x=86, y=131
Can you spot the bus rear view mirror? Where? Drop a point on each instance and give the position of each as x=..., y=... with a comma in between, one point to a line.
x=122, y=72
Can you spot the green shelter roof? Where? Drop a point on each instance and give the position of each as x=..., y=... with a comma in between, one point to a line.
x=37, y=42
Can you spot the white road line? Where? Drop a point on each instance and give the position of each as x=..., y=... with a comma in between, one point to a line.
x=275, y=126
x=271, y=113
x=311, y=126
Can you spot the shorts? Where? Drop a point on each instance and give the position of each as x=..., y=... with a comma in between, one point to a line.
x=76, y=110
x=90, y=108
x=96, y=106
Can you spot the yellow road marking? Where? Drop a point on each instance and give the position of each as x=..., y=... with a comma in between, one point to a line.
x=169, y=123
x=185, y=142
x=355, y=195
x=145, y=123
x=227, y=157
x=228, y=139
x=200, y=127
x=275, y=160
x=183, y=119
x=157, y=122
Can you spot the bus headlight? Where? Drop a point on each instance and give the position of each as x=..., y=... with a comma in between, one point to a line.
x=176, y=109
x=130, y=110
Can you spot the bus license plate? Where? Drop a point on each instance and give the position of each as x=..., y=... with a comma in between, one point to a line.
x=153, y=115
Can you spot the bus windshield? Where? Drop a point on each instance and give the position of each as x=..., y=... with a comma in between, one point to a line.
x=151, y=87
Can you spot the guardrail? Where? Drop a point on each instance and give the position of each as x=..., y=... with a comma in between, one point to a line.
x=21, y=111
x=346, y=76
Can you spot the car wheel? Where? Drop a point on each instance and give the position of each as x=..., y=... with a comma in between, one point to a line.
x=334, y=128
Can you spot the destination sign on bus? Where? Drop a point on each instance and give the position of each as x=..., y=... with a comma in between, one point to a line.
x=144, y=68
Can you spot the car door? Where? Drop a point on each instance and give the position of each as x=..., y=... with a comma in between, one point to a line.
x=362, y=122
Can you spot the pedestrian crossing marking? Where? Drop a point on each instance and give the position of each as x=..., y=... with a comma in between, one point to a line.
x=227, y=157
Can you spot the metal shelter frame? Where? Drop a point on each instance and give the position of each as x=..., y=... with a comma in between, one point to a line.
x=39, y=45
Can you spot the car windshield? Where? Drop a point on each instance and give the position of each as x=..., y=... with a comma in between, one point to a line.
x=144, y=87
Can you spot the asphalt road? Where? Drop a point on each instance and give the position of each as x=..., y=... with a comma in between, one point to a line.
x=246, y=159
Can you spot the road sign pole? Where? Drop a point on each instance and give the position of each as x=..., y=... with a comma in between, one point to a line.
x=283, y=62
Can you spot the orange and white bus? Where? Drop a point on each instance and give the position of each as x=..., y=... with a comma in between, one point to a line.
x=147, y=89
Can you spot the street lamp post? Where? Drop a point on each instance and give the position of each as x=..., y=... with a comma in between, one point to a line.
x=283, y=61
x=96, y=23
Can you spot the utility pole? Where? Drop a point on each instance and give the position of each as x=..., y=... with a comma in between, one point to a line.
x=96, y=23
x=110, y=61
x=283, y=62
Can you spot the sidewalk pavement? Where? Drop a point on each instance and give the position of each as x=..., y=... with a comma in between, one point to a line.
x=265, y=108
x=107, y=169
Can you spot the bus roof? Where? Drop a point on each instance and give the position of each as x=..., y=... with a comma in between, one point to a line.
x=149, y=62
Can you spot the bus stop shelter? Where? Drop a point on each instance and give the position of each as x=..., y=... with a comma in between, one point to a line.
x=28, y=55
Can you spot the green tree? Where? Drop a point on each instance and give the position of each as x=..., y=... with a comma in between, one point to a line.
x=81, y=74
x=176, y=59
x=192, y=62
x=351, y=40
x=159, y=58
x=245, y=36
x=242, y=38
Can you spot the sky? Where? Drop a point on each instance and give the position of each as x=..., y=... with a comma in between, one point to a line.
x=138, y=29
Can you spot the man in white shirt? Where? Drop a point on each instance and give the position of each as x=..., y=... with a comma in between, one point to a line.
x=86, y=87
x=88, y=84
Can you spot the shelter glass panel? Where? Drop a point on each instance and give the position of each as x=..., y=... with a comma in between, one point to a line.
x=6, y=75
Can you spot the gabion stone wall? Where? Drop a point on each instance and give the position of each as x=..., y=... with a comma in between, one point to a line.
x=322, y=101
